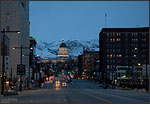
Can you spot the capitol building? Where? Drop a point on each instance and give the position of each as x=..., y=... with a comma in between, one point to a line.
x=63, y=51
x=63, y=54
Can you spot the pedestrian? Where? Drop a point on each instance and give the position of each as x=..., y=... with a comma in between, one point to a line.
x=32, y=82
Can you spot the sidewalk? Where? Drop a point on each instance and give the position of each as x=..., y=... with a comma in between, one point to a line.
x=123, y=89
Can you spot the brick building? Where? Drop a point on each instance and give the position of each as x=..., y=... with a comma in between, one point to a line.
x=87, y=64
x=123, y=47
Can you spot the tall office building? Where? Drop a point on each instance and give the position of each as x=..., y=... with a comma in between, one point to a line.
x=124, y=48
x=14, y=16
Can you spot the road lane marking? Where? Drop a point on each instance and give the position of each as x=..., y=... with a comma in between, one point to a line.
x=99, y=98
x=118, y=96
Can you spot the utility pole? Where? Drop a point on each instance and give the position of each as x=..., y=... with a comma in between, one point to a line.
x=21, y=66
x=3, y=58
x=3, y=61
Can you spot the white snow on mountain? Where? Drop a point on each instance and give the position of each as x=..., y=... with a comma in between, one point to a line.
x=75, y=47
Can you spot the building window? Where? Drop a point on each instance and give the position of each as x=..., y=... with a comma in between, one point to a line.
x=117, y=34
x=119, y=55
x=8, y=28
x=8, y=16
x=143, y=39
x=143, y=34
x=107, y=66
x=113, y=40
x=110, y=55
x=118, y=39
x=107, y=34
x=110, y=39
x=107, y=55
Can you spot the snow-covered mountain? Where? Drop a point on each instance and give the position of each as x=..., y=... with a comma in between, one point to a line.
x=75, y=47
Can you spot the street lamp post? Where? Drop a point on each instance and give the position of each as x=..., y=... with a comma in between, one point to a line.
x=3, y=57
x=21, y=48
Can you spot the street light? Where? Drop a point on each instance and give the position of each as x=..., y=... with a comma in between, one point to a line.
x=21, y=48
x=3, y=56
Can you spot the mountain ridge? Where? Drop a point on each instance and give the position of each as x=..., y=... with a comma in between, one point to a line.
x=75, y=47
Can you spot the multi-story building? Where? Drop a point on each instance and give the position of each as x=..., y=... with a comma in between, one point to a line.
x=15, y=17
x=87, y=63
x=126, y=48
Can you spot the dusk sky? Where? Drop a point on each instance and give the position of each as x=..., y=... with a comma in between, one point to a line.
x=54, y=20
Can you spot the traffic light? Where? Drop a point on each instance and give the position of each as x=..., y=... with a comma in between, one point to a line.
x=21, y=69
x=83, y=73
x=68, y=72
x=94, y=73
x=18, y=69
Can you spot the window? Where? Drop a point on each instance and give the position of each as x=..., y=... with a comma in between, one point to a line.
x=110, y=39
x=8, y=28
x=107, y=50
x=118, y=39
x=143, y=34
x=113, y=40
x=107, y=34
x=110, y=55
x=126, y=34
x=117, y=34
x=120, y=55
x=107, y=66
x=143, y=39
x=107, y=55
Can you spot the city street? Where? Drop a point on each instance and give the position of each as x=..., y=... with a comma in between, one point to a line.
x=77, y=92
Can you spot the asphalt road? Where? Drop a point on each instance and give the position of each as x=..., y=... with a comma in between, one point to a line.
x=76, y=92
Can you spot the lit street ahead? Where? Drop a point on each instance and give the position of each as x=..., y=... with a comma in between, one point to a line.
x=77, y=92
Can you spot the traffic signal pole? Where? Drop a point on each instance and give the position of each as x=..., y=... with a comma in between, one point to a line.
x=20, y=86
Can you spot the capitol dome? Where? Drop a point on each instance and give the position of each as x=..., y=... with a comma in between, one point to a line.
x=63, y=50
x=63, y=44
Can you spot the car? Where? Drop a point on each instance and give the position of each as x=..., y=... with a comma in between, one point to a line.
x=64, y=84
x=57, y=82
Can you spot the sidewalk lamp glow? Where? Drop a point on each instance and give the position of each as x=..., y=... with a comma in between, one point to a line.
x=13, y=48
x=139, y=64
x=18, y=32
x=31, y=48
x=7, y=82
x=124, y=76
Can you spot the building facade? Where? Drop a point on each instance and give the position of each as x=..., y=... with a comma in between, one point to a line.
x=87, y=64
x=123, y=48
x=63, y=54
x=15, y=17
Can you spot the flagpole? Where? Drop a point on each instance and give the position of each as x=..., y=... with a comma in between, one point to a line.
x=105, y=19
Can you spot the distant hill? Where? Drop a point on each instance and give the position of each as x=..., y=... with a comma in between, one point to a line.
x=75, y=47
